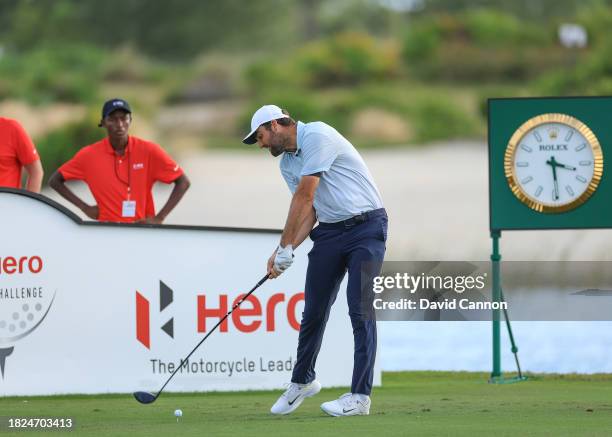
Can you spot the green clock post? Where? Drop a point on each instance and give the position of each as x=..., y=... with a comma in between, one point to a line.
x=546, y=171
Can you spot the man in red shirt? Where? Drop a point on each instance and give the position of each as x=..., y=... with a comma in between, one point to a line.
x=16, y=152
x=120, y=171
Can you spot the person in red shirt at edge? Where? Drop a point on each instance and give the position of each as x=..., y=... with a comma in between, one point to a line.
x=120, y=171
x=17, y=151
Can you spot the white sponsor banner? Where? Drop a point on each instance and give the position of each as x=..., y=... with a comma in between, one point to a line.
x=92, y=308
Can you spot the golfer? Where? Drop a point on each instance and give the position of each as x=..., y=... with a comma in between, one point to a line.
x=332, y=185
x=120, y=171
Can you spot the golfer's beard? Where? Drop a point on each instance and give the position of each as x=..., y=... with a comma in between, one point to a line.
x=276, y=149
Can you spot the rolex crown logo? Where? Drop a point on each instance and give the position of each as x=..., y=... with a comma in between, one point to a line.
x=553, y=133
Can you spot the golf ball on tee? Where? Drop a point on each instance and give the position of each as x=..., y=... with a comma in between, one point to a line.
x=178, y=413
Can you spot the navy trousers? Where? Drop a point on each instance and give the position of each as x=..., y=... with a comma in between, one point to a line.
x=356, y=245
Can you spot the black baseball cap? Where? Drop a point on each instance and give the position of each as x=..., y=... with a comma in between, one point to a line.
x=113, y=105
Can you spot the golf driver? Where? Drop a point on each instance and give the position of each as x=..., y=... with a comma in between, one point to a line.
x=147, y=398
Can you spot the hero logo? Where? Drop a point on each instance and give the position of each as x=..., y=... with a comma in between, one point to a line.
x=10, y=265
x=25, y=301
x=259, y=315
x=143, y=333
x=255, y=310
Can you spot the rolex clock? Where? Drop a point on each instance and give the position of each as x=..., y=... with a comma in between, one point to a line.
x=553, y=163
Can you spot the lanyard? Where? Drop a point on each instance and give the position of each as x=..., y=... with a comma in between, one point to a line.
x=129, y=181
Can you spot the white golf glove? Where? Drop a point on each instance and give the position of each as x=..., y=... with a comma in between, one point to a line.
x=283, y=258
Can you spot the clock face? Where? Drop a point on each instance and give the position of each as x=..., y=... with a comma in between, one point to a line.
x=553, y=163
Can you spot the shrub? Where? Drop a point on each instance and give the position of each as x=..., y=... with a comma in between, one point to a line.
x=588, y=75
x=269, y=74
x=128, y=65
x=347, y=59
x=441, y=119
x=480, y=45
x=421, y=42
x=344, y=59
x=60, y=145
x=597, y=19
x=461, y=62
x=489, y=28
x=66, y=73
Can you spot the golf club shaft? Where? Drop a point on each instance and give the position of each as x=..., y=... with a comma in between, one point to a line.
x=261, y=281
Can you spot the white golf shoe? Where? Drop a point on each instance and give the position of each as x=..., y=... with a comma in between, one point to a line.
x=348, y=405
x=294, y=395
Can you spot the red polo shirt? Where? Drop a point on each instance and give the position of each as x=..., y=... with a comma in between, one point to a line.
x=109, y=175
x=16, y=150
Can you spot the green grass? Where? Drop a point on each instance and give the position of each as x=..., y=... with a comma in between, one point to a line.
x=408, y=403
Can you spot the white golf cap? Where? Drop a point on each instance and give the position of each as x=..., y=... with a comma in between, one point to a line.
x=263, y=115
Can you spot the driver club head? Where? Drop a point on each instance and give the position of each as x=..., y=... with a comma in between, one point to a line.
x=144, y=397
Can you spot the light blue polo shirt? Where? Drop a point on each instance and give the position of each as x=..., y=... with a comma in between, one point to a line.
x=346, y=187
